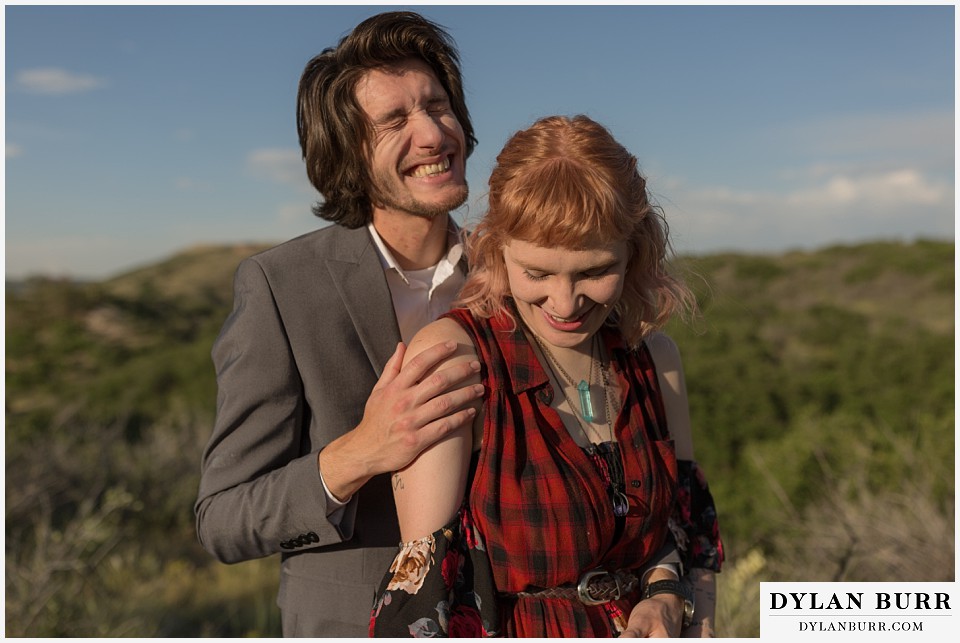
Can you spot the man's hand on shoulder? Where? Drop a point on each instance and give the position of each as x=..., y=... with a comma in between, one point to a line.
x=409, y=409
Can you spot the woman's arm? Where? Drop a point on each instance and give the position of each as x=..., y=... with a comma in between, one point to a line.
x=418, y=595
x=429, y=491
x=673, y=390
x=705, y=602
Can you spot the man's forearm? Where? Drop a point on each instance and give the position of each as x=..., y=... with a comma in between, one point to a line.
x=342, y=469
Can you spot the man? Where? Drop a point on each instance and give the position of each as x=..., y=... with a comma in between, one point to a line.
x=313, y=410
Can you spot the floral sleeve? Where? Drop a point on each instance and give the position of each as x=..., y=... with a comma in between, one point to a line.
x=438, y=586
x=694, y=523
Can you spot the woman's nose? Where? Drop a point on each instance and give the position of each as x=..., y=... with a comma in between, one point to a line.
x=565, y=300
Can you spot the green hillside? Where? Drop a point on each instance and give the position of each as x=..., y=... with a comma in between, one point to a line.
x=821, y=388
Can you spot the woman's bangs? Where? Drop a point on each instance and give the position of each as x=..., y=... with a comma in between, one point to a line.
x=566, y=206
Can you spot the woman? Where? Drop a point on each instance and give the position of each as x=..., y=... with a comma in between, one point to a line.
x=559, y=514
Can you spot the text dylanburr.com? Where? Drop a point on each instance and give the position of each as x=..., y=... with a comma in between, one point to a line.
x=863, y=611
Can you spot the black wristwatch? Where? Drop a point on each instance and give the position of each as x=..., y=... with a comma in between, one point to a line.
x=681, y=589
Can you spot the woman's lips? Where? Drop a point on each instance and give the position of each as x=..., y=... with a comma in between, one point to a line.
x=562, y=324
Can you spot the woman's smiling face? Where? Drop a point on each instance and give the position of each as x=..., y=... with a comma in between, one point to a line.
x=565, y=296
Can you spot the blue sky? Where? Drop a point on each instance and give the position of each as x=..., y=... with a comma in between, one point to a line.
x=133, y=132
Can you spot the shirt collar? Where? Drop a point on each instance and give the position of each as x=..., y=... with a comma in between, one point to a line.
x=447, y=264
x=525, y=369
x=526, y=372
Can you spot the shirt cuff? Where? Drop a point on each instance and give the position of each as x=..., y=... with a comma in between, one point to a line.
x=335, y=506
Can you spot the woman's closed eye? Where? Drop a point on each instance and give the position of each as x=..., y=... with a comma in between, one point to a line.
x=597, y=272
x=535, y=275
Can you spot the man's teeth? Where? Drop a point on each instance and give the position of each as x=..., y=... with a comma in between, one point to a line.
x=432, y=169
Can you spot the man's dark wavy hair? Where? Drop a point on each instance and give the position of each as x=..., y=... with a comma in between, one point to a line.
x=335, y=135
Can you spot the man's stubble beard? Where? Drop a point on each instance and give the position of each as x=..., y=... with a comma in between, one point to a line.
x=412, y=205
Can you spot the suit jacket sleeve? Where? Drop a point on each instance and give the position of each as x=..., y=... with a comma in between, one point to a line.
x=259, y=494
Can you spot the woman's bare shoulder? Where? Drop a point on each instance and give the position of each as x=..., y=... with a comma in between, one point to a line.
x=665, y=353
x=439, y=331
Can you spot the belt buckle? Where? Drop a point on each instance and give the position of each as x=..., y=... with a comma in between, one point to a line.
x=583, y=587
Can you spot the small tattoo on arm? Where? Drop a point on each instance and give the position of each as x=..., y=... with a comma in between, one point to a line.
x=397, y=482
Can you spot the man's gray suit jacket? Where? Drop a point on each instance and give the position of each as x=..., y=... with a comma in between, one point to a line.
x=311, y=330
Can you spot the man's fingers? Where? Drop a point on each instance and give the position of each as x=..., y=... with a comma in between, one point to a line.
x=443, y=404
x=445, y=380
x=446, y=425
x=392, y=368
x=419, y=366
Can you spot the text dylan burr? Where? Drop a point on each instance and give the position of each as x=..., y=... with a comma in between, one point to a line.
x=855, y=601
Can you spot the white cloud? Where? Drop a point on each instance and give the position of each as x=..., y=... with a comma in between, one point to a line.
x=52, y=80
x=894, y=189
x=816, y=209
x=854, y=177
x=13, y=150
x=279, y=165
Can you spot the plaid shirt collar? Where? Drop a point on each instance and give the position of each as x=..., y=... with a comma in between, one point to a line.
x=525, y=369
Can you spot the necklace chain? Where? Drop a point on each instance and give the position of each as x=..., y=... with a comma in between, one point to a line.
x=609, y=452
x=569, y=380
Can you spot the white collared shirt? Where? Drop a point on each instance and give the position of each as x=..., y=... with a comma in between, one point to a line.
x=420, y=296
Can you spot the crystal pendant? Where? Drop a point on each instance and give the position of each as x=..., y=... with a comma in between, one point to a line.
x=586, y=405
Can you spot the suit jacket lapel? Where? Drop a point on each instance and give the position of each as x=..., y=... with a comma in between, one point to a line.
x=356, y=271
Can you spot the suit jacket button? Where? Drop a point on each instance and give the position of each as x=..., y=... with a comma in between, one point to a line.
x=286, y=544
x=314, y=538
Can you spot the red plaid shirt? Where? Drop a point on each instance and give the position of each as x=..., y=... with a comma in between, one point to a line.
x=537, y=498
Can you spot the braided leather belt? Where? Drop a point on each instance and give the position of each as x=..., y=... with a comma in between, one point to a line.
x=594, y=588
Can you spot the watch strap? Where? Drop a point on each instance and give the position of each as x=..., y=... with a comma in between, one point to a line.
x=677, y=587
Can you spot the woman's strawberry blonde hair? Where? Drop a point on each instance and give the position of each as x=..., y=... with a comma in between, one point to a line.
x=567, y=183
